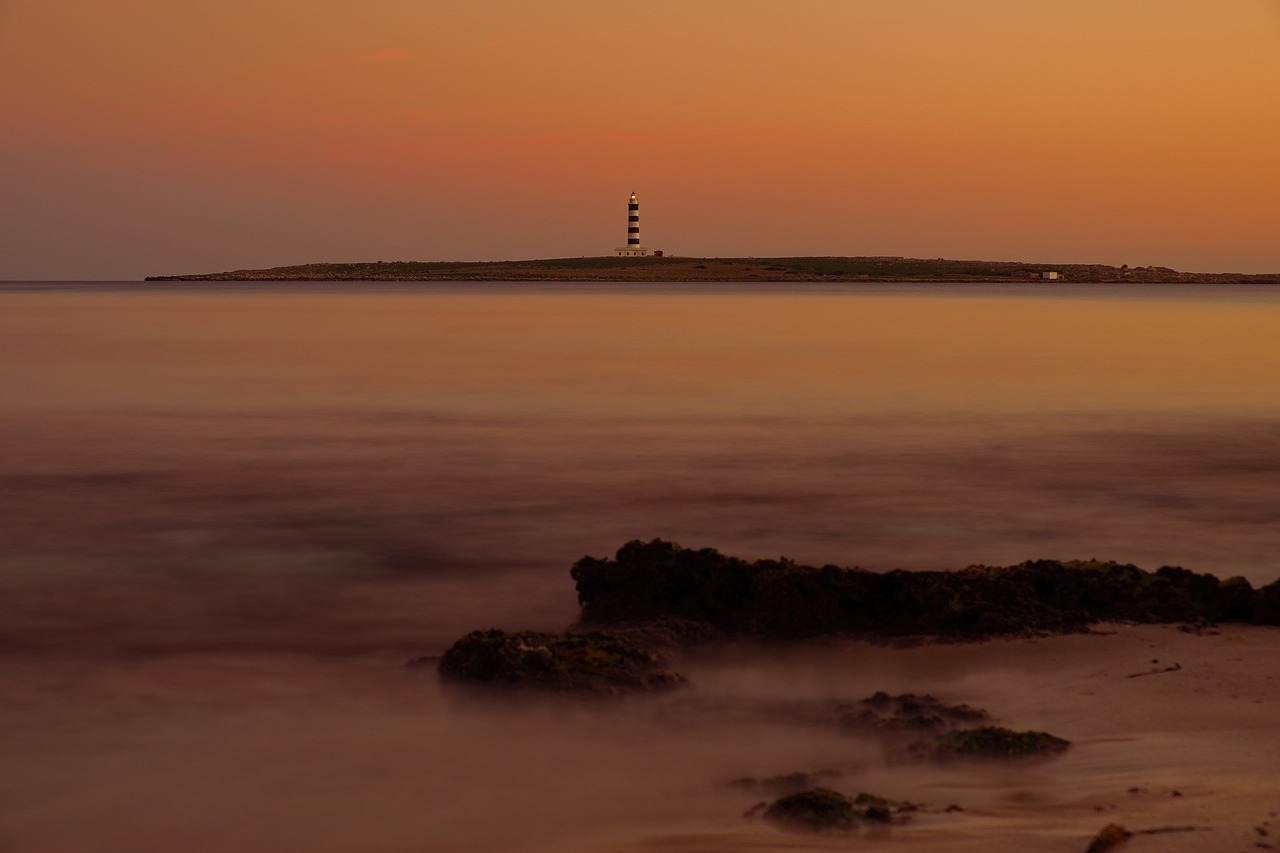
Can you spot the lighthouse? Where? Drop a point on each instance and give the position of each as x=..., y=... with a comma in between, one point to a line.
x=633, y=247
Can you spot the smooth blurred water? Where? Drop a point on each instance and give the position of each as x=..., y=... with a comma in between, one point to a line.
x=188, y=464
x=229, y=515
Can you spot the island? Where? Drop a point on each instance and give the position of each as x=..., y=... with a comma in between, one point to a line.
x=671, y=268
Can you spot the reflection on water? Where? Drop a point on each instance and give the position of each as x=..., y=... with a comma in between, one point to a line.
x=239, y=454
x=259, y=474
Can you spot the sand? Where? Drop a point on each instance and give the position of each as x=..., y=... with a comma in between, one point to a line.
x=1192, y=751
x=267, y=752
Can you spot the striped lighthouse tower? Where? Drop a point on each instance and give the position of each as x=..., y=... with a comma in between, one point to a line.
x=633, y=247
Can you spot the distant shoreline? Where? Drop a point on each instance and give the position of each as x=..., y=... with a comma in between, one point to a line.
x=679, y=269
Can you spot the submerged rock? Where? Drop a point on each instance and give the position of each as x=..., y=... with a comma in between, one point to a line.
x=787, y=783
x=781, y=599
x=990, y=742
x=598, y=662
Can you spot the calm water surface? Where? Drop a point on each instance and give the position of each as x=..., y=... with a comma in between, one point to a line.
x=372, y=470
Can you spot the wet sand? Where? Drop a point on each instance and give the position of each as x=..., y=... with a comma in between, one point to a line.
x=259, y=752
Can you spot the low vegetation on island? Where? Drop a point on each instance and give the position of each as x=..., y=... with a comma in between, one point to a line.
x=683, y=269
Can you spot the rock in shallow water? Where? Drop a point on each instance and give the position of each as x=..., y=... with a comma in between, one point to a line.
x=787, y=783
x=907, y=713
x=990, y=742
x=816, y=810
x=825, y=810
x=782, y=599
x=595, y=662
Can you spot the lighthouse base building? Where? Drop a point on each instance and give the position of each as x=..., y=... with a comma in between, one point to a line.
x=633, y=248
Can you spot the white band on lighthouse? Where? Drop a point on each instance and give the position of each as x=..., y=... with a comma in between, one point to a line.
x=633, y=247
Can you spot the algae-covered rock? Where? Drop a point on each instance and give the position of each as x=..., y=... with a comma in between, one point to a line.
x=874, y=808
x=908, y=713
x=598, y=662
x=1266, y=605
x=782, y=599
x=825, y=810
x=815, y=810
x=990, y=742
x=667, y=633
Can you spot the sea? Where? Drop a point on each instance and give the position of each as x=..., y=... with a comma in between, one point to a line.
x=231, y=512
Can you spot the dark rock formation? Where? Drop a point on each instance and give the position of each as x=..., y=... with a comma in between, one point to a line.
x=989, y=742
x=908, y=713
x=780, y=599
x=814, y=810
x=667, y=633
x=598, y=662
x=877, y=809
x=1266, y=603
x=825, y=810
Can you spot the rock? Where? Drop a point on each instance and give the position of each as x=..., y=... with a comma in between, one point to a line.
x=815, y=810
x=825, y=810
x=908, y=713
x=1111, y=836
x=1266, y=606
x=597, y=662
x=667, y=633
x=875, y=809
x=782, y=599
x=789, y=783
x=989, y=742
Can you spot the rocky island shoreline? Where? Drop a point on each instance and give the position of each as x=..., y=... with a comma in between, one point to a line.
x=657, y=598
x=654, y=602
x=686, y=269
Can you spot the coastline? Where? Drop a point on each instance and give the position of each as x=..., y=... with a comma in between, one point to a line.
x=235, y=517
x=682, y=269
x=1186, y=750
x=1189, y=748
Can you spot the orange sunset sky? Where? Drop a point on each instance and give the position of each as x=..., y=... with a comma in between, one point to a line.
x=162, y=136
